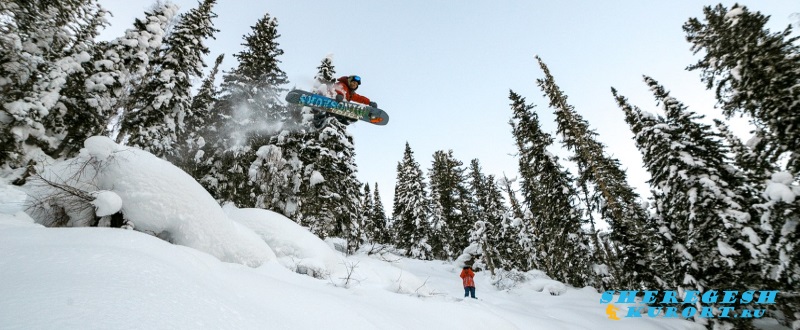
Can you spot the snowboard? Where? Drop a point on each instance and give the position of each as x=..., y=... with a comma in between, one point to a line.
x=358, y=111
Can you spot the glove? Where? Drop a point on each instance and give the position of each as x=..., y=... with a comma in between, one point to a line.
x=339, y=97
x=373, y=104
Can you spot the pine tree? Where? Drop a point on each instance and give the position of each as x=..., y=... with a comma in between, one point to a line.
x=74, y=119
x=450, y=199
x=252, y=90
x=367, y=207
x=619, y=203
x=441, y=234
x=44, y=46
x=129, y=64
x=330, y=191
x=550, y=196
x=704, y=220
x=411, y=209
x=251, y=110
x=489, y=208
x=516, y=228
x=201, y=126
x=754, y=71
x=379, y=221
x=164, y=102
x=326, y=76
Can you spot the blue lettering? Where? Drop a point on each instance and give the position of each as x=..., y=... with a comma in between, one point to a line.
x=747, y=297
x=607, y=297
x=710, y=297
x=669, y=297
x=654, y=311
x=671, y=312
x=746, y=314
x=758, y=313
x=707, y=312
x=724, y=312
x=730, y=297
x=633, y=312
x=689, y=312
x=767, y=297
x=691, y=297
x=627, y=297
x=649, y=297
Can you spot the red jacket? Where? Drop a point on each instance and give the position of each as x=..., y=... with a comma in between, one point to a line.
x=349, y=94
x=467, y=275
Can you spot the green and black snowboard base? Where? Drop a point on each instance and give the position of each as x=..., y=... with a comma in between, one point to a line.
x=357, y=111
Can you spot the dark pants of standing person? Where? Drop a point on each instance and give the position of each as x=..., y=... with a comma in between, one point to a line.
x=469, y=291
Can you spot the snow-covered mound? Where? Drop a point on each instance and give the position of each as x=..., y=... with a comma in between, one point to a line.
x=296, y=247
x=157, y=197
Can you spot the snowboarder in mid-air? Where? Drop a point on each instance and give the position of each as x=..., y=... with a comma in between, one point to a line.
x=339, y=99
x=345, y=89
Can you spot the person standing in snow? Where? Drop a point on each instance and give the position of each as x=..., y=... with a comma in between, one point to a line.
x=468, y=277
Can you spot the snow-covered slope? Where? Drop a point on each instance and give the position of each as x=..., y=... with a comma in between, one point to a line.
x=230, y=268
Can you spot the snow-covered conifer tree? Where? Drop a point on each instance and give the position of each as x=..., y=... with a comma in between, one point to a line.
x=163, y=103
x=43, y=46
x=379, y=221
x=330, y=191
x=411, y=226
x=251, y=110
x=201, y=127
x=367, y=206
x=129, y=63
x=617, y=203
x=754, y=71
x=710, y=238
x=550, y=197
x=450, y=200
x=489, y=208
x=76, y=120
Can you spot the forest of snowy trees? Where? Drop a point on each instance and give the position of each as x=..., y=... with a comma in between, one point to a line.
x=723, y=212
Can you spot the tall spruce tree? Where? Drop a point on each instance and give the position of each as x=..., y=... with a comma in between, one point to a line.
x=450, y=199
x=517, y=225
x=330, y=191
x=163, y=103
x=550, y=196
x=74, y=119
x=251, y=109
x=201, y=127
x=411, y=226
x=379, y=221
x=326, y=76
x=44, y=47
x=712, y=237
x=130, y=64
x=298, y=144
x=489, y=207
x=754, y=71
x=618, y=203
x=367, y=207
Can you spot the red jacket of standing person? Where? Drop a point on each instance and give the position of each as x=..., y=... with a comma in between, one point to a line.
x=347, y=85
x=467, y=275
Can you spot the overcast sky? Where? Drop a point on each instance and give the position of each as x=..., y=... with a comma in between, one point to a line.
x=443, y=69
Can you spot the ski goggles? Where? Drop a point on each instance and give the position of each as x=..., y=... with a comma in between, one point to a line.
x=356, y=79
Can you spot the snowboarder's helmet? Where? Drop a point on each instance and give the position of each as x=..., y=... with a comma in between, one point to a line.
x=356, y=79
